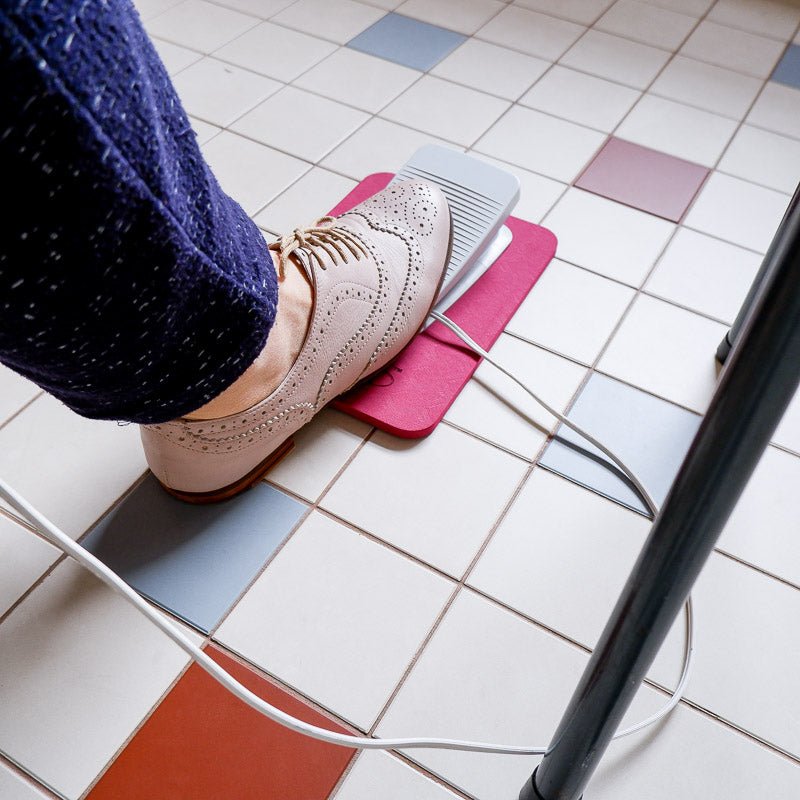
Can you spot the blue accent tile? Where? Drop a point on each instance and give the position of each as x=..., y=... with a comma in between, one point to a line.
x=788, y=69
x=407, y=41
x=194, y=561
x=649, y=434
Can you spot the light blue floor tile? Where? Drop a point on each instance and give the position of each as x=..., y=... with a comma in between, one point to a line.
x=788, y=69
x=650, y=435
x=407, y=41
x=193, y=560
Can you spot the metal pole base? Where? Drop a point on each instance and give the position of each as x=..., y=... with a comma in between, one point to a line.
x=724, y=349
x=529, y=791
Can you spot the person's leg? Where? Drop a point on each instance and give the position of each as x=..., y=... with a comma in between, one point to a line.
x=131, y=286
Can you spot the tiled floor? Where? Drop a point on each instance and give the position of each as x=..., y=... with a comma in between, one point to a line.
x=451, y=586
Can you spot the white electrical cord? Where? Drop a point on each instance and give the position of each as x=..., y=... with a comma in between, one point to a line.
x=58, y=538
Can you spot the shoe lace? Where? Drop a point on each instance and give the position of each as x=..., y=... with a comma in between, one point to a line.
x=333, y=240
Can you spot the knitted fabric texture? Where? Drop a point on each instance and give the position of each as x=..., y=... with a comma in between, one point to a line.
x=131, y=286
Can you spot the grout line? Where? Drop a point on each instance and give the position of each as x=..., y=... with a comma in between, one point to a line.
x=786, y=449
x=650, y=682
x=311, y=508
x=749, y=564
x=142, y=722
x=30, y=780
x=14, y=414
x=432, y=776
x=293, y=691
x=61, y=556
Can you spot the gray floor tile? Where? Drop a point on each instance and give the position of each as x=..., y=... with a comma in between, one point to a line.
x=193, y=560
x=407, y=41
x=650, y=435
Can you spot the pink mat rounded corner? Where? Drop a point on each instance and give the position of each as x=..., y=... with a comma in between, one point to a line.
x=410, y=398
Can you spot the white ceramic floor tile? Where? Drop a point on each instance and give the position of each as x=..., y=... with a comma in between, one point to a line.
x=537, y=193
x=455, y=113
x=589, y=230
x=763, y=157
x=321, y=450
x=305, y=201
x=531, y=32
x=477, y=642
x=308, y=126
x=645, y=23
x=86, y=667
x=276, y=51
x=331, y=603
x=491, y=68
x=571, y=311
x=667, y=351
x=606, y=56
x=377, y=774
x=249, y=172
x=488, y=675
x=777, y=109
x=695, y=8
x=496, y=409
x=775, y=18
x=735, y=49
x=713, y=88
x=219, y=93
x=263, y=9
x=737, y=211
x=677, y=129
x=379, y=146
x=704, y=274
x=13, y=787
x=583, y=11
x=581, y=98
x=24, y=558
x=358, y=79
x=338, y=20
x=748, y=651
x=174, y=56
x=200, y=25
x=435, y=498
x=69, y=467
x=541, y=143
x=204, y=131
x=466, y=16
x=15, y=392
x=763, y=527
x=561, y=556
x=150, y=8
x=716, y=762
x=788, y=432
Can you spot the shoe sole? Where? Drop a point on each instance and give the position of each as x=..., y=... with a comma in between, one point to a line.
x=260, y=470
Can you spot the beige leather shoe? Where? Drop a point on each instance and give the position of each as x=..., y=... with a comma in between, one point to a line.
x=376, y=272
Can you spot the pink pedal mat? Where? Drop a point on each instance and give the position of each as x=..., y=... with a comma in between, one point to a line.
x=410, y=398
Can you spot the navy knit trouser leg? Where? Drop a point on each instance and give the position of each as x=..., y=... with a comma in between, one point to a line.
x=131, y=286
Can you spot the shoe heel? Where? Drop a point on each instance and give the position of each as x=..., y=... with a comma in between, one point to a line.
x=244, y=483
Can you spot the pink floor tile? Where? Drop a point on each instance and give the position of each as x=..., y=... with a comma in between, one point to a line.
x=643, y=178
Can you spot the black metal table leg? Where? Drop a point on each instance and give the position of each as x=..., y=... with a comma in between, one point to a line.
x=755, y=387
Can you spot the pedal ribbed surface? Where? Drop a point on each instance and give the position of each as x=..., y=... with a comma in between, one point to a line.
x=474, y=215
x=480, y=197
